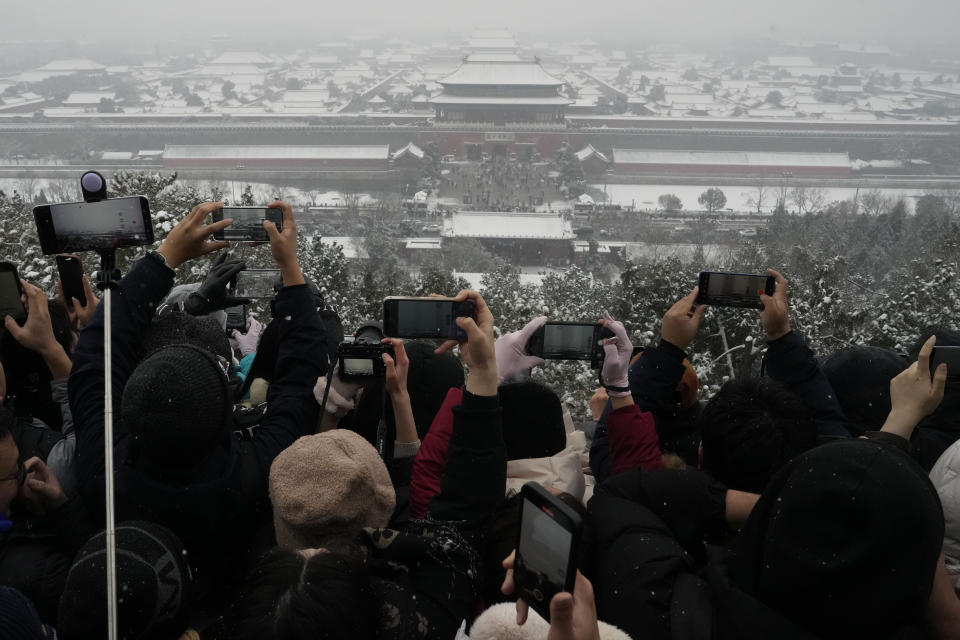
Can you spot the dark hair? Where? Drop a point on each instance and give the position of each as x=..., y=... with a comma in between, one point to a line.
x=532, y=419
x=750, y=429
x=290, y=597
x=500, y=538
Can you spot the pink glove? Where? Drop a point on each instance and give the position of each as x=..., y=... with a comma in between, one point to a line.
x=511, y=351
x=247, y=342
x=342, y=394
x=616, y=362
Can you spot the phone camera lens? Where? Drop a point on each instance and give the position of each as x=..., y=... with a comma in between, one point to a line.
x=91, y=181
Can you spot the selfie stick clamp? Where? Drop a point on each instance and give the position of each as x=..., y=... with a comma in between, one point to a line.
x=94, y=187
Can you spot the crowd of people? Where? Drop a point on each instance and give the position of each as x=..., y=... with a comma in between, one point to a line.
x=262, y=493
x=500, y=184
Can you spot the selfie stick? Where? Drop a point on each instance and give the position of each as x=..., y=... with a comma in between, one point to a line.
x=94, y=188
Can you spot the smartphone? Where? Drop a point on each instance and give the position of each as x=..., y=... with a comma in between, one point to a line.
x=247, y=225
x=11, y=291
x=237, y=319
x=949, y=355
x=425, y=317
x=69, y=227
x=547, y=548
x=70, y=268
x=723, y=289
x=256, y=283
x=569, y=341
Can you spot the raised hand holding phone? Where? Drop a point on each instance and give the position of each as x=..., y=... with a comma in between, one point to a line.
x=477, y=351
x=283, y=245
x=680, y=322
x=190, y=238
x=776, y=309
x=915, y=393
x=511, y=351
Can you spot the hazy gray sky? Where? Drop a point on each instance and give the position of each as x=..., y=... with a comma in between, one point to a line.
x=933, y=21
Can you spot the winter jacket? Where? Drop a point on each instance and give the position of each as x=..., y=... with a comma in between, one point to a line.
x=217, y=513
x=653, y=578
x=563, y=471
x=428, y=573
x=36, y=553
x=791, y=362
x=945, y=476
x=653, y=378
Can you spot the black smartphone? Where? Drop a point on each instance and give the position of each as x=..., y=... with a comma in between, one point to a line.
x=70, y=268
x=547, y=548
x=724, y=289
x=11, y=291
x=256, y=283
x=247, y=225
x=949, y=355
x=237, y=319
x=569, y=341
x=425, y=317
x=69, y=227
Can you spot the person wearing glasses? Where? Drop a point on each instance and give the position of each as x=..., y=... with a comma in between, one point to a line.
x=40, y=528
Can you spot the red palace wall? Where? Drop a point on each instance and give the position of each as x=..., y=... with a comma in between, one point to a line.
x=278, y=163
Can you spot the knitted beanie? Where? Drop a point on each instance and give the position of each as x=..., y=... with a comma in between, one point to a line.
x=178, y=406
x=152, y=583
x=327, y=487
x=18, y=617
x=179, y=327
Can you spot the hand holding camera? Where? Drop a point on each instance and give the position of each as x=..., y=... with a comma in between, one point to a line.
x=915, y=393
x=247, y=342
x=190, y=238
x=212, y=294
x=513, y=359
x=477, y=351
x=681, y=321
x=616, y=363
x=283, y=245
x=776, y=309
x=396, y=366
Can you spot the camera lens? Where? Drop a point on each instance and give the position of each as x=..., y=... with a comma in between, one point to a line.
x=91, y=181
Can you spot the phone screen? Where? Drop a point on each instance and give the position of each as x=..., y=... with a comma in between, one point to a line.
x=568, y=341
x=10, y=303
x=247, y=225
x=256, y=283
x=423, y=318
x=107, y=224
x=543, y=554
x=949, y=355
x=733, y=289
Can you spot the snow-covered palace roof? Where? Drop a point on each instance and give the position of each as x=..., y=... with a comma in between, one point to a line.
x=520, y=226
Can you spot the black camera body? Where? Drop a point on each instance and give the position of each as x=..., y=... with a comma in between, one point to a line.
x=362, y=358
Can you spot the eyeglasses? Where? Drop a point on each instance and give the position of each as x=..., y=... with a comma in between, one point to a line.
x=20, y=475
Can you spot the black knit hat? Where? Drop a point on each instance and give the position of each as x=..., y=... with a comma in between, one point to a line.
x=153, y=582
x=844, y=541
x=532, y=420
x=860, y=376
x=178, y=327
x=178, y=406
x=18, y=617
x=429, y=378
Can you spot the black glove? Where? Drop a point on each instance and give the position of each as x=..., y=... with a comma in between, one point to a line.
x=212, y=294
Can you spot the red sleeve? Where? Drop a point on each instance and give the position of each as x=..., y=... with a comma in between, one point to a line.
x=633, y=439
x=432, y=456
